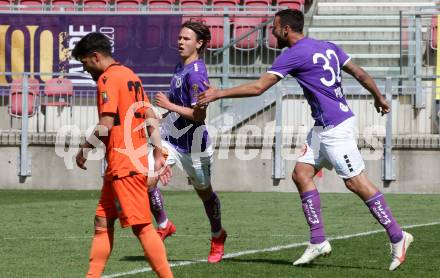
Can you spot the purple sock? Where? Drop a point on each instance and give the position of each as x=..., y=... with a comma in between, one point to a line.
x=212, y=208
x=380, y=210
x=156, y=205
x=311, y=204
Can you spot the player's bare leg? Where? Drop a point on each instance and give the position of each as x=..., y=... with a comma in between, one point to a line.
x=303, y=178
x=102, y=245
x=373, y=198
x=212, y=208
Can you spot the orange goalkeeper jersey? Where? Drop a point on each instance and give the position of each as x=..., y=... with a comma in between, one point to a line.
x=120, y=93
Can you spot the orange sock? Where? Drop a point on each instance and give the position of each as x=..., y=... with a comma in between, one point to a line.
x=102, y=245
x=154, y=250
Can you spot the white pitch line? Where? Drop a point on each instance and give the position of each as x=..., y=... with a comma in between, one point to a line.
x=265, y=250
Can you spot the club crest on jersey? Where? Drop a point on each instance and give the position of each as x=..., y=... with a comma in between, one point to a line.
x=195, y=89
x=178, y=81
x=343, y=107
x=104, y=97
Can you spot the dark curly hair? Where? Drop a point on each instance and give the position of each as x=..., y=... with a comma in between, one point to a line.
x=90, y=43
x=292, y=18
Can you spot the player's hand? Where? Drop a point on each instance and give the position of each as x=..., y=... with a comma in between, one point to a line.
x=382, y=106
x=162, y=100
x=162, y=169
x=80, y=159
x=210, y=95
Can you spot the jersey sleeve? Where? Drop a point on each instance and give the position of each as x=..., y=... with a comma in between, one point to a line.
x=196, y=85
x=342, y=56
x=286, y=63
x=108, y=88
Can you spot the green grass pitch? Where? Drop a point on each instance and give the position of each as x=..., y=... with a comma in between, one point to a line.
x=48, y=234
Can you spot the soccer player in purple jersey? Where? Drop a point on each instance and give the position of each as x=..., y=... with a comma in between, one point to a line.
x=185, y=137
x=316, y=65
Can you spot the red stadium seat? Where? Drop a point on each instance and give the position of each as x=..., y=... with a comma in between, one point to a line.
x=258, y=5
x=58, y=92
x=434, y=27
x=219, y=5
x=31, y=5
x=215, y=25
x=15, y=108
x=128, y=5
x=292, y=4
x=5, y=5
x=159, y=5
x=63, y=5
x=192, y=5
x=95, y=5
x=242, y=26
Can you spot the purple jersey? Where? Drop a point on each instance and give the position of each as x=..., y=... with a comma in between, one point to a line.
x=186, y=135
x=316, y=65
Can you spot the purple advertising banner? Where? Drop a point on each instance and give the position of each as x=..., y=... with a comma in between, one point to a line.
x=42, y=43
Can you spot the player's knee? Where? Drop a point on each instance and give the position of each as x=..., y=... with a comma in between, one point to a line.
x=199, y=185
x=201, y=180
x=137, y=229
x=300, y=178
x=102, y=222
x=352, y=184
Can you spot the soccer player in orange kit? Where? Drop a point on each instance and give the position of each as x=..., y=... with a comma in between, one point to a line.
x=123, y=108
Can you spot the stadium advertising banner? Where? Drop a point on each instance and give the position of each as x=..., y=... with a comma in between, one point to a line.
x=37, y=43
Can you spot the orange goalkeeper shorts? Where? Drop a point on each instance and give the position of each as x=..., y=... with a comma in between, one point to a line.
x=127, y=199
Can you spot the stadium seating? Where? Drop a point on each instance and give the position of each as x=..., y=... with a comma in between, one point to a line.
x=4, y=5
x=128, y=5
x=63, y=5
x=258, y=5
x=215, y=25
x=58, y=92
x=31, y=5
x=95, y=5
x=292, y=4
x=159, y=5
x=243, y=25
x=219, y=5
x=434, y=26
x=15, y=107
x=192, y=5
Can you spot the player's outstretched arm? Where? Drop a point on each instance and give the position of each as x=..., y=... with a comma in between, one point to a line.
x=196, y=113
x=250, y=89
x=368, y=83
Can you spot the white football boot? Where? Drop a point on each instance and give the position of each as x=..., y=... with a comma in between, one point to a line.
x=314, y=251
x=398, y=250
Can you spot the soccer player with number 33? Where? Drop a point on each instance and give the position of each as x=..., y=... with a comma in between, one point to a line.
x=316, y=65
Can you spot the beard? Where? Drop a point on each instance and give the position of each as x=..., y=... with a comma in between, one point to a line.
x=281, y=43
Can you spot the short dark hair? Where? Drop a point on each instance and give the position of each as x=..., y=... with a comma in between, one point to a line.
x=90, y=43
x=292, y=18
x=201, y=30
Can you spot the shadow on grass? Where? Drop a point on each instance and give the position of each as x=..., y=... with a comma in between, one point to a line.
x=309, y=266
